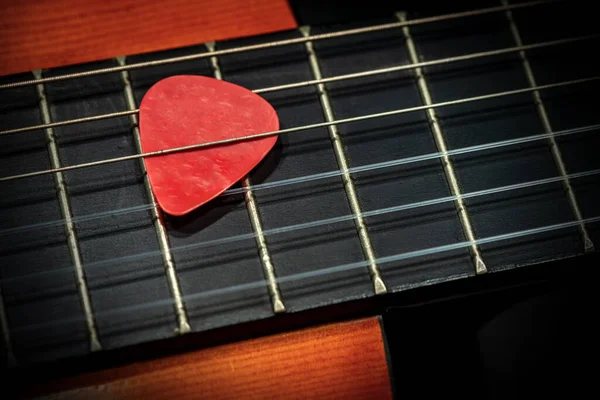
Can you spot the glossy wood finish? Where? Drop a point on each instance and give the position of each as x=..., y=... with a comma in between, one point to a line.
x=51, y=33
x=336, y=361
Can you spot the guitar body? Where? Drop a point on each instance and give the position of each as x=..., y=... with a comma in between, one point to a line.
x=344, y=360
x=436, y=320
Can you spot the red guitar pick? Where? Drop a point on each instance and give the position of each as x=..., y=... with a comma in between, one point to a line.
x=187, y=109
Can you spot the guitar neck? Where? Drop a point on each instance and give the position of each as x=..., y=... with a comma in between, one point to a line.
x=416, y=148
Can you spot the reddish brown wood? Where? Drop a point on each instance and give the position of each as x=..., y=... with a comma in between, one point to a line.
x=51, y=33
x=337, y=361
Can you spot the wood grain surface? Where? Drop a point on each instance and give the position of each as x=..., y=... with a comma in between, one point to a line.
x=335, y=361
x=50, y=33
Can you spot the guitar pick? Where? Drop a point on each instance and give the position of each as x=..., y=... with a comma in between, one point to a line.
x=184, y=110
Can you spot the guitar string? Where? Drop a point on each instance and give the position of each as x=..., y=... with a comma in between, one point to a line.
x=287, y=42
x=337, y=78
x=188, y=298
x=307, y=225
x=238, y=139
x=318, y=176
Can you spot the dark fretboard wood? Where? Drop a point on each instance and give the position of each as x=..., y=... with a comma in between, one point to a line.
x=315, y=242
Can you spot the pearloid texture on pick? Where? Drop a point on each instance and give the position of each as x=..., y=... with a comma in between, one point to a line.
x=187, y=109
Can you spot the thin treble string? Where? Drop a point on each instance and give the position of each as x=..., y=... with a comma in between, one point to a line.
x=307, y=225
x=319, y=176
x=257, y=136
x=79, y=219
x=286, y=42
x=168, y=302
x=337, y=78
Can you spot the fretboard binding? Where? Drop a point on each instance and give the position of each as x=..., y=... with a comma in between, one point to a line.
x=322, y=175
x=255, y=220
x=67, y=213
x=379, y=286
x=300, y=128
x=588, y=245
x=279, y=43
x=183, y=325
x=312, y=82
x=440, y=142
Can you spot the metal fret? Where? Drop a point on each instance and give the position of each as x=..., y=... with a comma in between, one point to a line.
x=254, y=215
x=338, y=147
x=183, y=325
x=440, y=142
x=588, y=245
x=65, y=208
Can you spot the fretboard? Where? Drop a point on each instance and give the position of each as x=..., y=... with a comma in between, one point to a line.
x=413, y=150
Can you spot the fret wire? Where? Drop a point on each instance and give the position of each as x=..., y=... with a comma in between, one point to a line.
x=317, y=223
x=327, y=271
x=588, y=245
x=340, y=155
x=287, y=42
x=11, y=360
x=255, y=219
x=321, y=175
x=298, y=129
x=67, y=213
x=440, y=141
x=183, y=325
x=337, y=78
